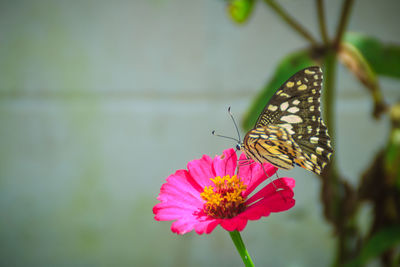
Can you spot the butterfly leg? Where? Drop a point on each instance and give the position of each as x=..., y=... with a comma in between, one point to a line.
x=245, y=162
x=242, y=163
x=276, y=188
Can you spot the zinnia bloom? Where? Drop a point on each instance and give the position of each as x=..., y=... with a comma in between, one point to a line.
x=209, y=193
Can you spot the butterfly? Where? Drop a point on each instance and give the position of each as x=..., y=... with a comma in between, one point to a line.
x=290, y=130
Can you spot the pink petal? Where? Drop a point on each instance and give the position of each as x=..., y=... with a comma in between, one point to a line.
x=180, y=191
x=242, y=225
x=269, y=200
x=253, y=173
x=281, y=183
x=236, y=223
x=200, y=222
x=182, y=180
x=230, y=224
x=264, y=207
x=226, y=163
x=206, y=227
x=255, y=212
x=183, y=225
x=166, y=211
x=201, y=170
x=171, y=194
x=179, y=198
x=280, y=203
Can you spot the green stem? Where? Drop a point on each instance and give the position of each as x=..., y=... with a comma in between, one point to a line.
x=329, y=91
x=237, y=240
x=321, y=21
x=329, y=108
x=331, y=181
x=336, y=188
x=343, y=222
x=291, y=21
x=344, y=20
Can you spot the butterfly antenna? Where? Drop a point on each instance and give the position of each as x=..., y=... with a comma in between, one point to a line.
x=223, y=136
x=234, y=122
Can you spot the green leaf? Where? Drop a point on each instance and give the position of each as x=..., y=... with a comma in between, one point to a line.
x=383, y=58
x=288, y=66
x=380, y=242
x=240, y=10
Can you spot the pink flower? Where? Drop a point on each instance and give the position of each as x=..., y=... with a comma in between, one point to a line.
x=209, y=193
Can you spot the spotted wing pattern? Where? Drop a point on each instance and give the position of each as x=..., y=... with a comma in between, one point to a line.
x=290, y=130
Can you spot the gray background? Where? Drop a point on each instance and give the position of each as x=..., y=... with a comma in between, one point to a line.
x=101, y=100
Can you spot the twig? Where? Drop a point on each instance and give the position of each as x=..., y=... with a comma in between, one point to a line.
x=321, y=21
x=291, y=21
x=344, y=19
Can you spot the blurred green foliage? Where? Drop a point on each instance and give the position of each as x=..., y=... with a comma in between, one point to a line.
x=240, y=10
x=379, y=243
x=384, y=58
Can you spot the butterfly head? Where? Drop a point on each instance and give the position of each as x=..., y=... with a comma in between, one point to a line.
x=238, y=146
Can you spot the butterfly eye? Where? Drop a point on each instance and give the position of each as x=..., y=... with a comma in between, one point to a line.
x=238, y=147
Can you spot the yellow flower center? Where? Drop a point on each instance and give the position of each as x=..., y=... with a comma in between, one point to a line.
x=225, y=198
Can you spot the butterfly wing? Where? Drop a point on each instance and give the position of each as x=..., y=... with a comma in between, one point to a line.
x=272, y=144
x=293, y=99
x=296, y=107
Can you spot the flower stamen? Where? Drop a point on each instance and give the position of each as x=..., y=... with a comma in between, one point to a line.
x=224, y=199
